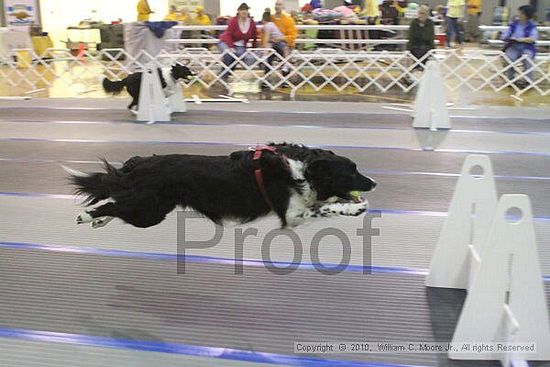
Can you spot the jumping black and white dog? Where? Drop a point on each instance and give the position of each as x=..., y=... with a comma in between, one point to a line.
x=168, y=79
x=295, y=182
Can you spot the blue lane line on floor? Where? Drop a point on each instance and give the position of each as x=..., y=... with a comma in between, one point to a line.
x=200, y=259
x=350, y=147
x=368, y=172
x=425, y=213
x=183, y=349
x=206, y=259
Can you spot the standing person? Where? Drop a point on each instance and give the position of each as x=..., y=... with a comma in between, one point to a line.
x=473, y=10
x=421, y=34
x=520, y=40
x=370, y=12
x=455, y=12
x=144, y=10
x=240, y=30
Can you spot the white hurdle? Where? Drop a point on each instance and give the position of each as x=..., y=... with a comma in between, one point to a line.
x=458, y=251
x=430, y=106
x=494, y=257
x=506, y=302
x=154, y=105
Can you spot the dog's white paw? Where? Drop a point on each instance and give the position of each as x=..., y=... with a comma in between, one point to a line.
x=100, y=222
x=356, y=209
x=83, y=218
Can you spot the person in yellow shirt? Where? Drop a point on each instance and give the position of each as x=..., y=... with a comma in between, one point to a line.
x=173, y=14
x=370, y=11
x=143, y=10
x=201, y=18
x=455, y=12
x=473, y=10
x=285, y=23
x=184, y=17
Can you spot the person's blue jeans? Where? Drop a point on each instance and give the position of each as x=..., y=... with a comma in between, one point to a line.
x=515, y=52
x=279, y=47
x=228, y=59
x=453, y=28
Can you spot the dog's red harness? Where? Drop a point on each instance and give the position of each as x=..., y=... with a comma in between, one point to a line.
x=258, y=150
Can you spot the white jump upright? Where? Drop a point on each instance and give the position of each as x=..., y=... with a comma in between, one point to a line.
x=430, y=106
x=494, y=256
x=506, y=301
x=154, y=105
x=458, y=252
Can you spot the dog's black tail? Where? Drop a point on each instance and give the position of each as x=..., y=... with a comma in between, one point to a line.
x=94, y=186
x=114, y=87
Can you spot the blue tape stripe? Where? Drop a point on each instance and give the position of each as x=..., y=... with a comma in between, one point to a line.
x=350, y=147
x=184, y=349
x=38, y=195
x=368, y=172
x=204, y=259
x=215, y=260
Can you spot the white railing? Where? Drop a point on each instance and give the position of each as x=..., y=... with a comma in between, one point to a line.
x=336, y=70
x=303, y=27
x=344, y=27
x=351, y=36
x=389, y=41
x=503, y=28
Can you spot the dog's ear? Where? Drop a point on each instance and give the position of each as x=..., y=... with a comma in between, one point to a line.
x=318, y=169
x=318, y=175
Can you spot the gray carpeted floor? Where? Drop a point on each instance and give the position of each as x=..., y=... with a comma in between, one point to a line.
x=91, y=290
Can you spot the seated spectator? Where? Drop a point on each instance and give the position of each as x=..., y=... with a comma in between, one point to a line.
x=240, y=30
x=175, y=15
x=520, y=40
x=201, y=18
x=315, y=4
x=421, y=34
x=184, y=17
x=285, y=23
x=172, y=15
x=272, y=37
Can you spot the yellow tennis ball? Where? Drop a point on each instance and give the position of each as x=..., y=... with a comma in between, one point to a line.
x=355, y=194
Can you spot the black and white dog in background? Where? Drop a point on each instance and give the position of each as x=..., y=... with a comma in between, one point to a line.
x=299, y=183
x=168, y=79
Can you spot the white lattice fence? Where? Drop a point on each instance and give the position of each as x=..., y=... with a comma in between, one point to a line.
x=335, y=69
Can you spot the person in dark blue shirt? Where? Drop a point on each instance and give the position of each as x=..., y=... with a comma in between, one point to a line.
x=520, y=40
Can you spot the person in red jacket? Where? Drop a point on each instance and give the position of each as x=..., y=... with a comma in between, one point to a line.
x=240, y=30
